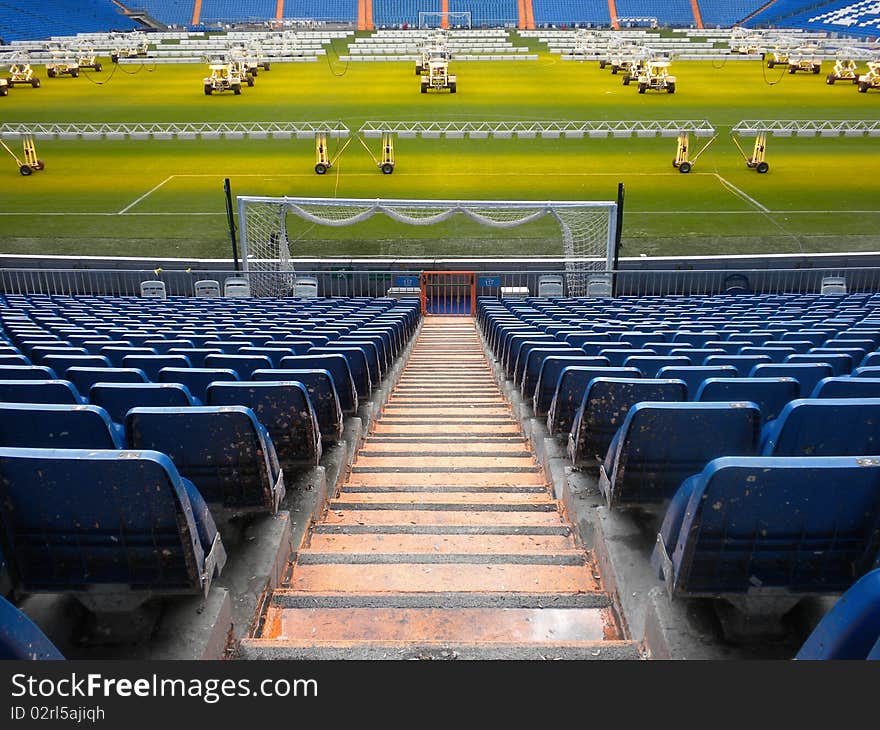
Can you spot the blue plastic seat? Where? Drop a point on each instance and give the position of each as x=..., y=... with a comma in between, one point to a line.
x=604, y=407
x=660, y=445
x=152, y=364
x=106, y=526
x=851, y=629
x=39, y=391
x=569, y=393
x=244, y=365
x=338, y=367
x=119, y=398
x=618, y=356
x=840, y=363
x=742, y=363
x=13, y=359
x=694, y=375
x=275, y=354
x=195, y=355
x=322, y=394
x=771, y=394
x=62, y=363
x=85, y=378
x=825, y=427
x=847, y=387
x=116, y=353
x=223, y=450
x=197, y=380
x=548, y=377
x=284, y=408
x=790, y=525
x=27, y=372
x=650, y=365
x=21, y=638
x=807, y=374
x=51, y=426
x=776, y=354
x=532, y=368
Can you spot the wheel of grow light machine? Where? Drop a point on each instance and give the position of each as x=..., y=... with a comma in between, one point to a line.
x=771, y=63
x=50, y=72
x=321, y=168
x=236, y=89
x=114, y=57
x=603, y=64
x=792, y=69
x=418, y=70
x=453, y=87
x=642, y=88
x=816, y=68
x=98, y=67
x=626, y=79
x=762, y=167
x=25, y=170
x=615, y=69
x=40, y=165
x=74, y=72
x=863, y=87
x=830, y=79
x=387, y=168
x=266, y=65
x=424, y=87
x=35, y=83
x=208, y=89
x=670, y=87
x=3, y=91
x=685, y=167
x=250, y=80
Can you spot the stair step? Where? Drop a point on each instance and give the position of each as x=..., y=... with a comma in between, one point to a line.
x=441, y=544
x=414, y=517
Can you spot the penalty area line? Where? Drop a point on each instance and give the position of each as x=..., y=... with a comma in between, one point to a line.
x=741, y=194
x=144, y=196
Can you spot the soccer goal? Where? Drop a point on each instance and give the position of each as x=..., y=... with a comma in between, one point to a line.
x=580, y=233
x=434, y=19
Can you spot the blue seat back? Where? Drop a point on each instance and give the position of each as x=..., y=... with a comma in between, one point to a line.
x=85, y=378
x=357, y=364
x=807, y=374
x=50, y=426
x=694, y=375
x=20, y=638
x=119, y=398
x=742, y=363
x=73, y=520
x=244, y=365
x=569, y=392
x=604, y=408
x=39, y=391
x=660, y=445
x=27, y=372
x=825, y=427
x=803, y=525
x=197, y=380
x=152, y=364
x=284, y=408
x=223, y=450
x=840, y=363
x=851, y=629
x=322, y=394
x=61, y=363
x=650, y=365
x=846, y=387
x=338, y=367
x=771, y=394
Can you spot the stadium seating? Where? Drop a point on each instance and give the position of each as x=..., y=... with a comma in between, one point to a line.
x=329, y=11
x=694, y=375
x=84, y=378
x=571, y=12
x=492, y=13
x=119, y=398
x=322, y=395
x=49, y=426
x=23, y=20
x=660, y=445
x=228, y=11
x=284, y=408
x=604, y=407
x=792, y=525
x=338, y=368
x=770, y=394
x=726, y=13
x=27, y=372
x=223, y=450
x=113, y=531
x=548, y=377
x=806, y=374
x=39, y=391
x=570, y=390
x=851, y=629
x=170, y=12
x=669, y=12
x=824, y=427
x=20, y=638
x=196, y=380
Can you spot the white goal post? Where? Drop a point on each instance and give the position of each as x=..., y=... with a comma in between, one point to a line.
x=434, y=18
x=586, y=230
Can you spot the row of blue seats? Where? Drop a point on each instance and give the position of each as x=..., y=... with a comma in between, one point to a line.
x=790, y=504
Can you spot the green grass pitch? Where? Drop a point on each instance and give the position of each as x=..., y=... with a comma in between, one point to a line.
x=164, y=198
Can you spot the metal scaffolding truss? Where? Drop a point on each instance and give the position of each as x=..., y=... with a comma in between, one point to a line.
x=808, y=127
x=176, y=130
x=532, y=130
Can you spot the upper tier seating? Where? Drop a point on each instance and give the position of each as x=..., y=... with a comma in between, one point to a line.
x=25, y=20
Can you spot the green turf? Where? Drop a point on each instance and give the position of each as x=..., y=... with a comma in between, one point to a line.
x=820, y=195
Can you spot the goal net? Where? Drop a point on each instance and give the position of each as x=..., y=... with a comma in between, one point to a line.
x=454, y=19
x=581, y=233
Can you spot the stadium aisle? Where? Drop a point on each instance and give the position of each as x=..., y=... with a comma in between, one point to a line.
x=445, y=541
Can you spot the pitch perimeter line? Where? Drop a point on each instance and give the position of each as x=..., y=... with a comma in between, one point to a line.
x=741, y=194
x=144, y=196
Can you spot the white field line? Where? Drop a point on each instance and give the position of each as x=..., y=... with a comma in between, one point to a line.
x=741, y=194
x=144, y=196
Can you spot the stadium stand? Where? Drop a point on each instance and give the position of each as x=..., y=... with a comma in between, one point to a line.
x=571, y=12
x=487, y=12
x=170, y=12
x=20, y=20
x=229, y=11
x=669, y=13
x=841, y=16
x=726, y=13
x=329, y=11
